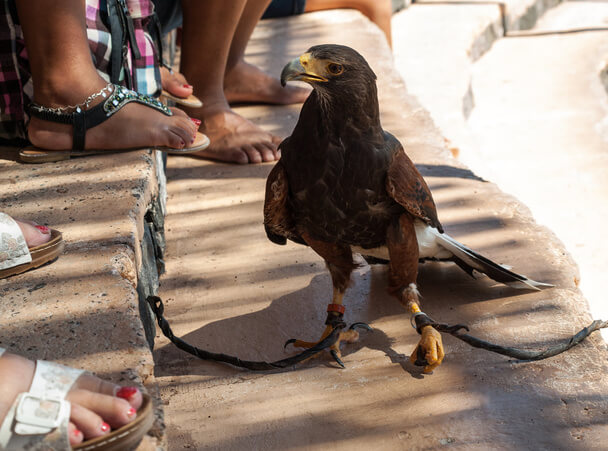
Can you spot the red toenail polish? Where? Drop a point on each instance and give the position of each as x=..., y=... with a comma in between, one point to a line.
x=187, y=86
x=131, y=412
x=76, y=433
x=197, y=122
x=105, y=427
x=127, y=392
x=183, y=143
x=43, y=229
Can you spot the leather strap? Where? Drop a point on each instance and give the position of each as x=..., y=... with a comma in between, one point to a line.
x=79, y=129
x=82, y=120
x=118, y=39
x=336, y=308
x=422, y=319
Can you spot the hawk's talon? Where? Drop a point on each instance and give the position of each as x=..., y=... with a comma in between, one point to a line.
x=334, y=354
x=288, y=342
x=332, y=346
x=429, y=351
x=420, y=358
x=365, y=326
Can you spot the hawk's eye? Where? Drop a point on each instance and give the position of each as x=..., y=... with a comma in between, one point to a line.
x=335, y=69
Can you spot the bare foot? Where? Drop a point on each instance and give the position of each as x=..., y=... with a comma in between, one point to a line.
x=234, y=139
x=246, y=83
x=175, y=83
x=133, y=126
x=34, y=234
x=97, y=406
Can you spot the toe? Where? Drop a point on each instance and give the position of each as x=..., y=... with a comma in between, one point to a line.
x=74, y=434
x=94, y=384
x=349, y=336
x=276, y=140
x=252, y=153
x=87, y=421
x=176, y=140
x=186, y=129
x=267, y=150
x=431, y=347
x=175, y=83
x=115, y=411
x=34, y=234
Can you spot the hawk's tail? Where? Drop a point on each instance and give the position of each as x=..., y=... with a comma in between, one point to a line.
x=470, y=260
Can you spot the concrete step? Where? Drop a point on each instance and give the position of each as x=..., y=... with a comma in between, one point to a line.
x=228, y=289
x=436, y=43
x=84, y=310
x=530, y=114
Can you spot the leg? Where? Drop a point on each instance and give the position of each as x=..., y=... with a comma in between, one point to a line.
x=340, y=263
x=97, y=406
x=246, y=83
x=63, y=74
x=208, y=31
x=403, y=251
x=378, y=11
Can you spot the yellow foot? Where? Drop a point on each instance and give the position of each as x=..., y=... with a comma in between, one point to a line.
x=348, y=336
x=429, y=352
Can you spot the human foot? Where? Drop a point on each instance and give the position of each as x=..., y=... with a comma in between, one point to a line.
x=246, y=83
x=177, y=89
x=25, y=245
x=133, y=126
x=175, y=83
x=234, y=139
x=97, y=406
x=34, y=234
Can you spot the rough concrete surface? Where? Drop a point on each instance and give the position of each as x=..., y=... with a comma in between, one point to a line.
x=81, y=310
x=228, y=289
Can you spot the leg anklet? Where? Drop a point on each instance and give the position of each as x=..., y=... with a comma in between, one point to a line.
x=104, y=92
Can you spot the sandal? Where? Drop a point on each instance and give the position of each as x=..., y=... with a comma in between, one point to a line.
x=38, y=419
x=82, y=120
x=191, y=101
x=16, y=257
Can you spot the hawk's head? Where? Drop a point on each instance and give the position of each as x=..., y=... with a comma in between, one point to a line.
x=331, y=67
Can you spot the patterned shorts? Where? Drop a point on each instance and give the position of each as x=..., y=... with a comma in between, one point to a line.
x=16, y=89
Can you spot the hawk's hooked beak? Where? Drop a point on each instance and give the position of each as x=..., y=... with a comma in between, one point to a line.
x=302, y=68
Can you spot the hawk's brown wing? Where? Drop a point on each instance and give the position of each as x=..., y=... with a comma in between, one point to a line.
x=278, y=222
x=407, y=187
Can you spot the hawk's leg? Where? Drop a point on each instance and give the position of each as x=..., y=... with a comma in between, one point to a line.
x=339, y=260
x=335, y=312
x=403, y=250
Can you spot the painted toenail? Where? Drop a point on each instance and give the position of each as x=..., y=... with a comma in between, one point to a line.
x=76, y=433
x=127, y=392
x=197, y=122
x=187, y=86
x=105, y=427
x=131, y=412
x=182, y=143
x=43, y=229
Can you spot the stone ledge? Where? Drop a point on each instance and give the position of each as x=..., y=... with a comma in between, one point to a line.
x=84, y=309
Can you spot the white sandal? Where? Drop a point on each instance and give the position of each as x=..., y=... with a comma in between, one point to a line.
x=38, y=420
x=16, y=257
